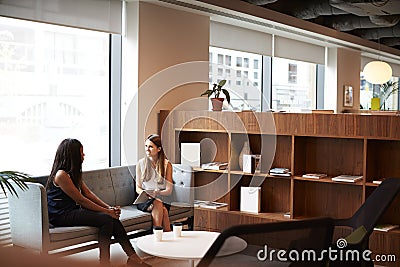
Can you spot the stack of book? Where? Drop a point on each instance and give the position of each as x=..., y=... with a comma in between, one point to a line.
x=280, y=172
x=385, y=227
x=210, y=205
x=315, y=175
x=214, y=166
x=347, y=178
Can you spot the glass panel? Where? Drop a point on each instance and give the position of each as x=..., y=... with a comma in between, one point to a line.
x=245, y=89
x=388, y=97
x=293, y=85
x=54, y=84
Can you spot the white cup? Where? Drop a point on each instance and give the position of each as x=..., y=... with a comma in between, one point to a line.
x=158, y=232
x=177, y=229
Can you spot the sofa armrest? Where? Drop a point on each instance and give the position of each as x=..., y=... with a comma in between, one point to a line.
x=29, y=217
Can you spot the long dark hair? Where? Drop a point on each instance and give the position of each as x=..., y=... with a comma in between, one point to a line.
x=68, y=158
x=160, y=168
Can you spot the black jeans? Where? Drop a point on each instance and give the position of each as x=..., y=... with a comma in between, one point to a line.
x=107, y=225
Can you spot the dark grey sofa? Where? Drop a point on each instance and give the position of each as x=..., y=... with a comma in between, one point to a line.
x=116, y=186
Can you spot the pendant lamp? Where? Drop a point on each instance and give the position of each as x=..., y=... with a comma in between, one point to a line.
x=377, y=72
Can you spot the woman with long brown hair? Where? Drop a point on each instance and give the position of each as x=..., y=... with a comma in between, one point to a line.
x=154, y=172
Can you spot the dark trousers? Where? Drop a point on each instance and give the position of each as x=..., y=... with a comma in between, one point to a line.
x=107, y=225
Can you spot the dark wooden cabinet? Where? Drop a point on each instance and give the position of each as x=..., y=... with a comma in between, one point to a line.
x=352, y=144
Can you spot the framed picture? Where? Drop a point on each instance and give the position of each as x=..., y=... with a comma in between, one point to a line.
x=348, y=96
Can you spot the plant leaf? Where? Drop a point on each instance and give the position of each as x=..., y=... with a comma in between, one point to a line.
x=18, y=178
x=222, y=83
x=226, y=93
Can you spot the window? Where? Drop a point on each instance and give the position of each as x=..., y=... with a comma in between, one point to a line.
x=246, y=62
x=293, y=85
x=238, y=62
x=256, y=64
x=292, y=74
x=220, y=59
x=255, y=75
x=56, y=86
x=239, y=83
x=368, y=91
x=228, y=60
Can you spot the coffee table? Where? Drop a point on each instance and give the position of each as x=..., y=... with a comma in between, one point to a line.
x=191, y=246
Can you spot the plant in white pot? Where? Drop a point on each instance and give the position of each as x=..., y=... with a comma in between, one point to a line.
x=217, y=101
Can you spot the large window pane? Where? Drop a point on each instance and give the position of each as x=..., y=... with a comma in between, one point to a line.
x=243, y=79
x=293, y=85
x=388, y=100
x=54, y=84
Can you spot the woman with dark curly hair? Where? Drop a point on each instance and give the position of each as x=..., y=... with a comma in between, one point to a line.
x=71, y=203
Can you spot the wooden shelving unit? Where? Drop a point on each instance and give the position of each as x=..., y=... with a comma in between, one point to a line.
x=353, y=144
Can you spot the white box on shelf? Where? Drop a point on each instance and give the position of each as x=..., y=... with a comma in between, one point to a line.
x=250, y=199
x=251, y=163
x=190, y=154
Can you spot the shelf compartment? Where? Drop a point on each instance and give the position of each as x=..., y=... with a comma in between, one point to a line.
x=333, y=156
x=211, y=186
x=337, y=200
x=383, y=159
x=275, y=193
x=214, y=146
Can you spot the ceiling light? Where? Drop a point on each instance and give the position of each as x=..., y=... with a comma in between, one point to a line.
x=377, y=72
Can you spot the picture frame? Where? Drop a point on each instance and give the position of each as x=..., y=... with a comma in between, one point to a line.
x=347, y=96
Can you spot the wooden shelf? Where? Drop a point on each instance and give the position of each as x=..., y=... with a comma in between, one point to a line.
x=335, y=144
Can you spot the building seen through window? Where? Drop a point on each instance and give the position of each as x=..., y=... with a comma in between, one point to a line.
x=54, y=84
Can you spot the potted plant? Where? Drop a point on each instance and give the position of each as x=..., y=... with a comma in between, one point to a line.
x=217, y=89
x=19, y=179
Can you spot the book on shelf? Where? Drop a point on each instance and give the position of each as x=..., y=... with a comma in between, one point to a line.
x=386, y=227
x=280, y=172
x=347, y=178
x=210, y=205
x=286, y=214
x=214, y=166
x=379, y=181
x=314, y=175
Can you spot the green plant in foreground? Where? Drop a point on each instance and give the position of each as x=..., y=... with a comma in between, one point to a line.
x=19, y=178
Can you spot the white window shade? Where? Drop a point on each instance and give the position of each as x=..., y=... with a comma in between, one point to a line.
x=301, y=51
x=100, y=15
x=241, y=39
x=395, y=67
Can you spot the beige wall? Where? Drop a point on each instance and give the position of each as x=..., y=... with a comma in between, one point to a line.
x=173, y=62
x=348, y=73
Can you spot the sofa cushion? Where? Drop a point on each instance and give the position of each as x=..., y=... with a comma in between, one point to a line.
x=130, y=215
x=123, y=184
x=99, y=181
x=65, y=233
x=178, y=208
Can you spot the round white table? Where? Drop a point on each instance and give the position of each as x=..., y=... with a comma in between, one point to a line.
x=192, y=245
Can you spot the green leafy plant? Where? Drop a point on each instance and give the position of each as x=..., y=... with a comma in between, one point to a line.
x=217, y=90
x=18, y=178
x=386, y=90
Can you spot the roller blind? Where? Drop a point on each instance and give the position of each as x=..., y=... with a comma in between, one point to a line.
x=241, y=39
x=100, y=15
x=296, y=50
x=395, y=67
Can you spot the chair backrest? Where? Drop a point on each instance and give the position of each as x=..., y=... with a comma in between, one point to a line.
x=301, y=243
x=183, y=191
x=375, y=205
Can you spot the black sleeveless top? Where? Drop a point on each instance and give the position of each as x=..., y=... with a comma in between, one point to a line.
x=58, y=202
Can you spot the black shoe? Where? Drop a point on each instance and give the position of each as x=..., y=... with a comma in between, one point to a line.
x=132, y=263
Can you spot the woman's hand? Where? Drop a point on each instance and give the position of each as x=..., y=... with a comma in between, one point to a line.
x=114, y=212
